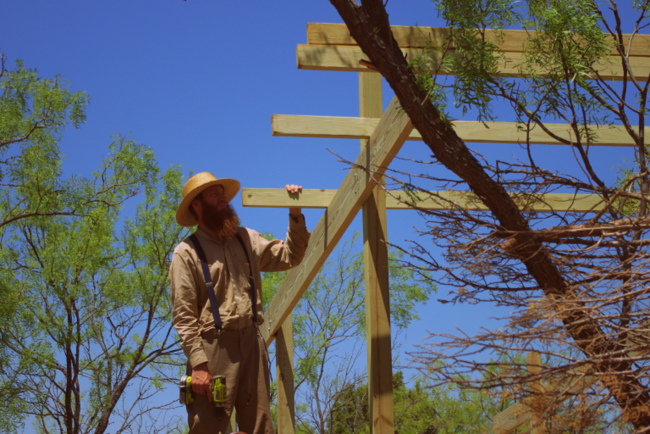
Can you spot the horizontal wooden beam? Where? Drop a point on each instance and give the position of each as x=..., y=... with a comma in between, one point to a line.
x=436, y=200
x=332, y=127
x=384, y=144
x=469, y=131
x=420, y=37
x=348, y=58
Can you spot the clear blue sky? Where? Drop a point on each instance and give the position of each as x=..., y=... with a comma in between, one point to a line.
x=198, y=81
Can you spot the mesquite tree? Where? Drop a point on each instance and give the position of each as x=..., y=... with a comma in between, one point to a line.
x=84, y=297
x=576, y=283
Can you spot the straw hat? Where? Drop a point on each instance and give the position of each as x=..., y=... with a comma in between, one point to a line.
x=194, y=186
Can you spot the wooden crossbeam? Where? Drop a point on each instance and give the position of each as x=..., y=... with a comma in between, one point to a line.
x=348, y=57
x=438, y=200
x=390, y=134
x=469, y=131
x=420, y=37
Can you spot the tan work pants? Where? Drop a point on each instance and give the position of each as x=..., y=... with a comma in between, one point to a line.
x=242, y=357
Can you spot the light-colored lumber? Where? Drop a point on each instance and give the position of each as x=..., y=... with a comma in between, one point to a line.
x=469, y=131
x=375, y=254
x=436, y=200
x=392, y=131
x=456, y=200
x=334, y=127
x=285, y=378
x=337, y=57
x=419, y=37
x=348, y=57
x=378, y=334
x=536, y=389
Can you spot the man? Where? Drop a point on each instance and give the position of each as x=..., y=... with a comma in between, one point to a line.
x=234, y=348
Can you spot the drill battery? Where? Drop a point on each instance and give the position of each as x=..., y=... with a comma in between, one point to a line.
x=217, y=385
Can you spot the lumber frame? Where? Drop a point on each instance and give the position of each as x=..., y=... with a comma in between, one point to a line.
x=330, y=47
x=392, y=131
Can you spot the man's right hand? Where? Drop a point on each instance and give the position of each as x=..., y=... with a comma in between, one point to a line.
x=201, y=380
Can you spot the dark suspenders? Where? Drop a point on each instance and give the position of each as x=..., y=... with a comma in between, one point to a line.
x=210, y=285
x=251, y=280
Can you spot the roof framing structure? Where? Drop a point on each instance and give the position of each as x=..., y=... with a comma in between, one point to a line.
x=330, y=47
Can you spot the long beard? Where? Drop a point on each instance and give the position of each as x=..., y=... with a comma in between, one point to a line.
x=222, y=222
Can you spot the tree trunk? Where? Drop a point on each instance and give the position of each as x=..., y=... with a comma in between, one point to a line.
x=368, y=24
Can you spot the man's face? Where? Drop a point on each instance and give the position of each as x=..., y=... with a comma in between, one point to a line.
x=214, y=209
x=214, y=197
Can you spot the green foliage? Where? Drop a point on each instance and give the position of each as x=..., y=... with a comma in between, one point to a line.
x=641, y=6
x=629, y=181
x=34, y=109
x=85, y=294
x=470, y=55
x=419, y=408
x=568, y=43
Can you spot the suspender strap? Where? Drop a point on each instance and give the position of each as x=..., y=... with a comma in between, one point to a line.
x=208, y=280
x=251, y=280
x=210, y=286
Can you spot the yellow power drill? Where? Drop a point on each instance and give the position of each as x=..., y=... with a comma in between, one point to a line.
x=217, y=384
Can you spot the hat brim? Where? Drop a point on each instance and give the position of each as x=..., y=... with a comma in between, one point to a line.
x=183, y=215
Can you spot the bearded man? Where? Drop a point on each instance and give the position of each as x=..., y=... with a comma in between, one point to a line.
x=217, y=302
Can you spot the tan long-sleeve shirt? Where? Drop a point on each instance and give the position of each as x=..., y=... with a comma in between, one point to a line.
x=230, y=271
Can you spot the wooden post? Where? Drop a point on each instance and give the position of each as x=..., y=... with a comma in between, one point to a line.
x=537, y=389
x=380, y=373
x=284, y=374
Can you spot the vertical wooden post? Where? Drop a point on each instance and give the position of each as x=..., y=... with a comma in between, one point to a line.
x=537, y=389
x=284, y=374
x=380, y=371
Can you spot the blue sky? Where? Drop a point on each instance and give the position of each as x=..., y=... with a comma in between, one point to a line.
x=198, y=82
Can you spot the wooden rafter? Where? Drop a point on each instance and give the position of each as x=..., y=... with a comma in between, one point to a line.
x=470, y=131
x=419, y=37
x=347, y=57
x=435, y=200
